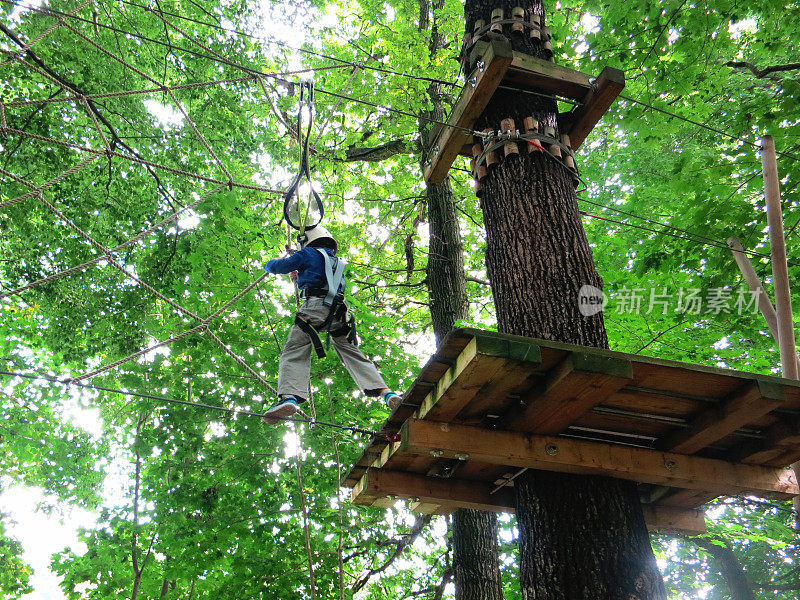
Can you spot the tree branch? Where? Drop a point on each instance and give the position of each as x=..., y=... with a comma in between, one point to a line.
x=377, y=153
x=401, y=544
x=761, y=73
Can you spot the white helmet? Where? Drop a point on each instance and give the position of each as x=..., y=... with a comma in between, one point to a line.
x=318, y=232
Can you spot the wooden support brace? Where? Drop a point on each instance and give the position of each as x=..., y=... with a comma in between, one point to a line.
x=575, y=386
x=779, y=439
x=687, y=499
x=744, y=406
x=476, y=94
x=430, y=495
x=606, y=89
x=594, y=458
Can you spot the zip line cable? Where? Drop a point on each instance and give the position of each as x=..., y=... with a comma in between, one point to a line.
x=412, y=115
x=234, y=411
x=344, y=62
x=704, y=126
x=696, y=237
x=348, y=63
x=714, y=243
x=259, y=73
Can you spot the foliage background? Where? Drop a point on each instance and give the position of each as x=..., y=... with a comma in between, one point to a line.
x=207, y=505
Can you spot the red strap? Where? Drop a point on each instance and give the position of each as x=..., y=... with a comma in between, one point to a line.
x=393, y=437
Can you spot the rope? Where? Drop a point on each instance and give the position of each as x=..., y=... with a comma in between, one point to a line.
x=107, y=255
x=343, y=62
x=306, y=101
x=166, y=89
x=360, y=65
x=38, y=190
x=131, y=241
x=202, y=326
x=47, y=32
x=259, y=73
x=713, y=244
x=704, y=126
x=160, y=89
x=304, y=506
x=235, y=411
x=99, y=153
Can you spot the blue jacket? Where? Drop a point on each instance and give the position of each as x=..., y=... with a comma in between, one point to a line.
x=309, y=265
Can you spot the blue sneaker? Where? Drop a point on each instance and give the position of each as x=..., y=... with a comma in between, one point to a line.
x=392, y=399
x=280, y=411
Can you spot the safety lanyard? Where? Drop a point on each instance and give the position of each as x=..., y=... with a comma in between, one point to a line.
x=306, y=99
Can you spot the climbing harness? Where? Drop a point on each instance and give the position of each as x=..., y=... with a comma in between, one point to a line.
x=334, y=299
x=392, y=437
x=298, y=215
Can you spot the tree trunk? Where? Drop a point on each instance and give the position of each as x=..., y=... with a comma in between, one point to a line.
x=730, y=568
x=581, y=538
x=476, y=569
x=447, y=284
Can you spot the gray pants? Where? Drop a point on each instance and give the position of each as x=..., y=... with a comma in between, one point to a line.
x=295, y=363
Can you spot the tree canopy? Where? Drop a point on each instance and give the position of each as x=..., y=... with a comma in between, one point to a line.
x=117, y=116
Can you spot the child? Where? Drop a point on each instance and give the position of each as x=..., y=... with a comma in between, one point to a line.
x=320, y=276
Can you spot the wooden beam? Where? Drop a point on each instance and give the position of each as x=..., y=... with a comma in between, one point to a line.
x=778, y=438
x=745, y=405
x=431, y=495
x=469, y=106
x=606, y=89
x=461, y=493
x=594, y=458
x=676, y=521
x=579, y=383
x=530, y=72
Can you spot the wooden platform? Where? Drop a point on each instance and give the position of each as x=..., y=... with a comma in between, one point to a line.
x=497, y=63
x=488, y=405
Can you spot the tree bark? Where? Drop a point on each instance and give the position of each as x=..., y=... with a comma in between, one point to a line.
x=476, y=563
x=581, y=538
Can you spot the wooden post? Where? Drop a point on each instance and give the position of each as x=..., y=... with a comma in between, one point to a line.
x=780, y=271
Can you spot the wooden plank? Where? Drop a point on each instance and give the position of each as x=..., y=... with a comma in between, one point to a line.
x=594, y=458
x=469, y=106
x=750, y=402
x=480, y=360
x=532, y=72
x=582, y=381
x=429, y=495
x=606, y=89
x=672, y=520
